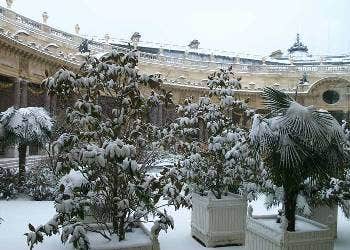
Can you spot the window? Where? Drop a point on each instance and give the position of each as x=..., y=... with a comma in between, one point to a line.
x=331, y=96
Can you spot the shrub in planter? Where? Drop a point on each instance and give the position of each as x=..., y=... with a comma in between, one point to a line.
x=297, y=144
x=312, y=202
x=210, y=135
x=105, y=148
x=263, y=233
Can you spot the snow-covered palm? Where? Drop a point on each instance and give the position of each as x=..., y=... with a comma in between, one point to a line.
x=208, y=134
x=106, y=145
x=24, y=127
x=297, y=143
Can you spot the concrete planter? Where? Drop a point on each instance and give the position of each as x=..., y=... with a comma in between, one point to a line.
x=326, y=215
x=263, y=233
x=139, y=239
x=219, y=222
x=346, y=208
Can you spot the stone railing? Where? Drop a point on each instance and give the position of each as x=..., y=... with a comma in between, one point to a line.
x=61, y=34
x=243, y=68
x=28, y=22
x=46, y=32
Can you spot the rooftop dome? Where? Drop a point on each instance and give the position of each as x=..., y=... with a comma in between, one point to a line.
x=298, y=46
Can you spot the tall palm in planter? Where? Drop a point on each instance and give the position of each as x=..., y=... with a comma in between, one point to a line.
x=217, y=161
x=25, y=127
x=297, y=144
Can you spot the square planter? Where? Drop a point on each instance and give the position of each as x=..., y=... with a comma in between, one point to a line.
x=263, y=233
x=326, y=215
x=139, y=239
x=346, y=203
x=219, y=222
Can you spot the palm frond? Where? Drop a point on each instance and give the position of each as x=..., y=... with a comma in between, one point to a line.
x=298, y=133
x=276, y=100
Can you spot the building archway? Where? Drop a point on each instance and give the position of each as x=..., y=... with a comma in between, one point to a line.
x=332, y=94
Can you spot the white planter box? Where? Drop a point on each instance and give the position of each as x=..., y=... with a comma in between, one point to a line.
x=346, y=203
x=139, y=239
x=263, y=233
x=326, y=215
x=219, y=222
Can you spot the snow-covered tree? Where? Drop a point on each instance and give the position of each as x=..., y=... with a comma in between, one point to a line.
x=211, y=136
x=299, y=145
x=25, y=127
x=107, y=148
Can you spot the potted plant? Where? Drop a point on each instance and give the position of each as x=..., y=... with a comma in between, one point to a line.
x=217, y=163
x=297, y=144
x=104, y=148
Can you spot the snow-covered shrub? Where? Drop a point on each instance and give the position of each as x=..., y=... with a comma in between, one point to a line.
x=105, y=148
x=8, y=180
x=212, y=137
x=41, y=182
x=301, y=147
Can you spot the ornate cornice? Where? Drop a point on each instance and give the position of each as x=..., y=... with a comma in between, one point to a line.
x=34, y=54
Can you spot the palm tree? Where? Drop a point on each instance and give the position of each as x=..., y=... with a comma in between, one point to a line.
x=297, y=143
x=24, y=127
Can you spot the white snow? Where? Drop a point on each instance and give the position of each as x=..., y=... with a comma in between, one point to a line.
x=135, y=239
x=18, y=213
x=300, y=226
x=72, y=179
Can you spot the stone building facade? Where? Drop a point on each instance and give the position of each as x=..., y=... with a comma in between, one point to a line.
x=30, y=50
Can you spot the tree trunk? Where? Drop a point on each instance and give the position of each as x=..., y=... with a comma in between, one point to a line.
x=115, y=224
x=121, y=232
x=290, y=203
x=22, y=151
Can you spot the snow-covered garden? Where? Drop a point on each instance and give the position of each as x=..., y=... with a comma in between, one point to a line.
x=235, y=179
x=19, y=213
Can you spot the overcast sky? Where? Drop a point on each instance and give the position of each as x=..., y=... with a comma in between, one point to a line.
x=250, y=26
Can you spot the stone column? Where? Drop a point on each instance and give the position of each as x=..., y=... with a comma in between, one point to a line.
x=24, y=93
x=17, y=93
x=47, y=102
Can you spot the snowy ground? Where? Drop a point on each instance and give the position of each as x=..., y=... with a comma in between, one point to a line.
x=18, y=213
